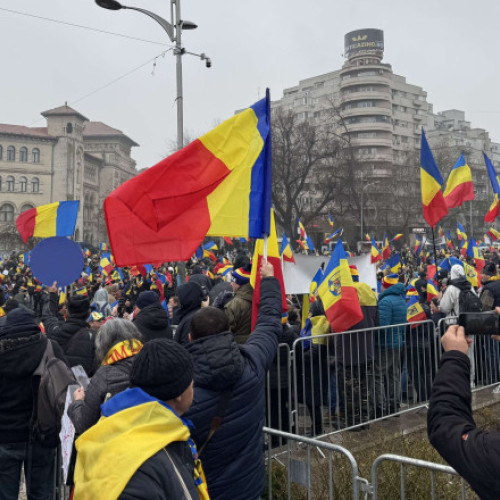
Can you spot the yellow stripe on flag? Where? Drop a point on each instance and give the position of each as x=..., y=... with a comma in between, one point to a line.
x=45, y=221
x=229, y=203
x=430, y=187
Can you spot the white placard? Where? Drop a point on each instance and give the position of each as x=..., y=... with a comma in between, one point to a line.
x=67, y=434
x=298, y=276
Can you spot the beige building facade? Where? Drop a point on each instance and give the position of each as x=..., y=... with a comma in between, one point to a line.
x=72, y=158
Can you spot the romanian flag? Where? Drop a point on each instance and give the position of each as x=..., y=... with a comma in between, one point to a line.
x=375, y=253
x=286, y=250
x=54, y=219
x=493, y=211
x=334, y=235
x=210, y=246
x=209, y=254
x=415, y=312
x=310, y=244
x=459, y=187
x=224, y=269
x=394, y=263
x=103, y=247
x=105, y=266
x=471, y=275
x=448, y=240
x=302, y=230
x=419, y=246
x=493, y=234
x=228, y=240
x=303, y=245
x=397, y=237
x=463, y=247
x=462, y=235
x=219, y=185
x=367, y=237
x=433, y=203
x=431, y=290
x=274, y=258
x=492, y=174
x=475, y=252
x=338, y=293
x=313, y=287
x=330, y=220
x=386, y=248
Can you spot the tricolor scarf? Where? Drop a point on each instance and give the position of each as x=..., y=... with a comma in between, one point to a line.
x=122, y=350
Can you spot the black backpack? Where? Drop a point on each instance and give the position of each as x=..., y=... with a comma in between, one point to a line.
x=469, y=302
x=50, y=384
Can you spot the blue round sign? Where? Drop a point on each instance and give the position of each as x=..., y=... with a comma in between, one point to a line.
x=57, y=259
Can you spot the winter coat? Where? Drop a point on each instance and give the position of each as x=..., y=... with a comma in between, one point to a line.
x=190, y=298
x=357, y=348
x=491, y=289
x=21, y=349
x=449, y=303
x=280, y=371
x=73, y=336
x=239, y=313
x=108, y=380
x=221, y=286
x=152, y=322
x=473, y=453
x=101, y=302
x=203, y=280
x=392, y=311
x=233, y=459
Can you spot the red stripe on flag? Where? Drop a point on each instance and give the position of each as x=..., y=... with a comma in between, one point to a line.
x=436, y=209
x=346, y=312
x=463, y=192
x=25, y=224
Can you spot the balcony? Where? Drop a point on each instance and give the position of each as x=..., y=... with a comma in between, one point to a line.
x=385, y=142
x=368, y=127
x=363, y=80
x=366, y=95
x=373, y=111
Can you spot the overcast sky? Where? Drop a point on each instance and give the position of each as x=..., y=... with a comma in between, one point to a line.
x=448, y=47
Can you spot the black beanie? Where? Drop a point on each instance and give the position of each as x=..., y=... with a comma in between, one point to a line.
x=163, y=369
x=78, y=304
x=146, y=299
x=490, y=269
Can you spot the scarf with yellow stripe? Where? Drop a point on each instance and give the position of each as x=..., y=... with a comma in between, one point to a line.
x=122, y=350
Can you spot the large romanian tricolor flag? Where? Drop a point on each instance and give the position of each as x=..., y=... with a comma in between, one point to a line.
x=219, y=185
x=54, y=219
x=338, y=293
x=431, y=180
x=459, y=187
x=274, y=258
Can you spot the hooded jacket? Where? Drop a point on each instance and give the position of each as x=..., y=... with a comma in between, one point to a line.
x=152, y=322
x=138, y=450
x=101, y=302
x=190, y=298
x=449, y=303
x=239, y=313
x=21, y=348
x=392, y=311
x=233, y=459
x=73, y=335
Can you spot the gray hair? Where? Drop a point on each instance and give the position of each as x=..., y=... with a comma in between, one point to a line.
x=111, y=333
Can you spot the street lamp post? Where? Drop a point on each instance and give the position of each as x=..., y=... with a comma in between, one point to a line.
x=174, y=32
x=363, y=188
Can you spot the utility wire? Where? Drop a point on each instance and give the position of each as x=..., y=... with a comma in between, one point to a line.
x=97, y=30
x=112, y=81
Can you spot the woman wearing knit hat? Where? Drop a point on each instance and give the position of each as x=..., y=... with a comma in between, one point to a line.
x=142, y=448
x=239, y=309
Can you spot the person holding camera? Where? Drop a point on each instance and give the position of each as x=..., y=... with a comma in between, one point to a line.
x=475, y=454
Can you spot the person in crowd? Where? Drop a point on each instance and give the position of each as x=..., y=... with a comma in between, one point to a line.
x=150, y=318
x=229, y=380
x=239, y=309
x=421, y=286
x=173, y=307
x=116, y=344
x=101, y=302
x=190, y=296
x=220, y=286
x=490, y=295
x=141, y=448
x=73, y=335
x=95, y=320
x=436, y=314
x=451, y=428
x=354, y=356
x=22, y=346
x=450, y=303
x=203, y=280
x=388, y=344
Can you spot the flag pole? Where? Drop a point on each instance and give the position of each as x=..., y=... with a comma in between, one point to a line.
x=434, y=245
x=265, y=247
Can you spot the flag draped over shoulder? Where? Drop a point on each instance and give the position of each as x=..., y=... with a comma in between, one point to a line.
x=274, y=258
x=433, y=203
x=54, y=219
x=219, y=185
x=338, y=293
x=459, y=187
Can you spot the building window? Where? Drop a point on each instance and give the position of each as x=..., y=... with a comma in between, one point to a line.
x=11, y=153
x=26, y=207
x=23, y=154
x=36, y=155
x=6, y=213
x=10, y=183
x=35, y=185
x=23, y=182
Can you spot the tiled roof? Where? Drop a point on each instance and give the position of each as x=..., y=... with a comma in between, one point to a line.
x=100, y=129
x=22, y=130
x=63, y=111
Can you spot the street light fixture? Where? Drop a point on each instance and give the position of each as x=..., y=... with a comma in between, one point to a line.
x=174, y=32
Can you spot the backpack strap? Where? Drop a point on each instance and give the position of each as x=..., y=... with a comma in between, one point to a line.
x=224, y=398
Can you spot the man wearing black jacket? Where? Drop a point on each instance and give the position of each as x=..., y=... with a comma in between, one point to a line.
x=150, y=318
x=475, y=454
